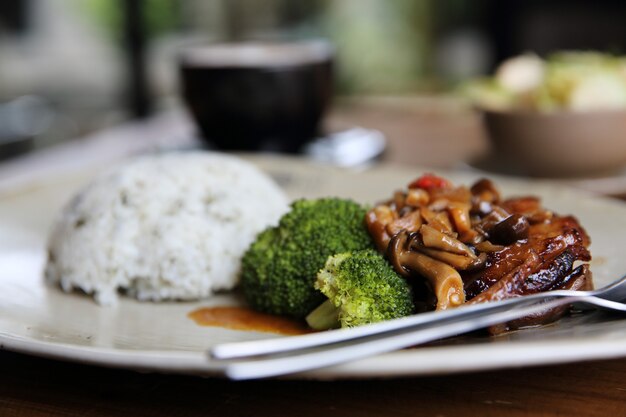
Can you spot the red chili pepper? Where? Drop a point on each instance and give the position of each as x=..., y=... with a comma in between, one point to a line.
x=430, y=181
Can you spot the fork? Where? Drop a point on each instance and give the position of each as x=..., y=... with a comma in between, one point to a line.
x=280, y=356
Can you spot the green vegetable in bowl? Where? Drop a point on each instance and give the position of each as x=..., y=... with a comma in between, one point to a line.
x=572, y=81
x=362, y=288
x=279, y=268
x=582, y=81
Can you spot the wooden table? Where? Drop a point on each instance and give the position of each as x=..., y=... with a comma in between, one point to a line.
x=39, y=387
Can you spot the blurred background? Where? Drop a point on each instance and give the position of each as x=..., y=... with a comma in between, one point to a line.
x=70, y=67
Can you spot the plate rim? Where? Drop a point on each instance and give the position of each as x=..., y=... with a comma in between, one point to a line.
x=386, y=365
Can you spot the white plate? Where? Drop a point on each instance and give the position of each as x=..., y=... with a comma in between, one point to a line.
x=44, y=321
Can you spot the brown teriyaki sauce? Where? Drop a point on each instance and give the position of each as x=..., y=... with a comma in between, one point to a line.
x=246, y=319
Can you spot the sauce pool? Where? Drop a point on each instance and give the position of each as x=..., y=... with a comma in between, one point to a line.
x=242, y=318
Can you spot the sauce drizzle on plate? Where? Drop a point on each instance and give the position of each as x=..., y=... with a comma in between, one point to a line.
x=246, y=319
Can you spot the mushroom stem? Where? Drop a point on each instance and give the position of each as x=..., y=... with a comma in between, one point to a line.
x=433, y=238
x=459, y=262
x=444, y=279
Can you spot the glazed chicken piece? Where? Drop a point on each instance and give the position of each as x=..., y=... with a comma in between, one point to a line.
x=460, y=245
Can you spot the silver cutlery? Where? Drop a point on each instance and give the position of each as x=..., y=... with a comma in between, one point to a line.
x=285, y=355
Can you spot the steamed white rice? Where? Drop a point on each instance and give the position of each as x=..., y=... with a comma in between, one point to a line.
x=172, y=226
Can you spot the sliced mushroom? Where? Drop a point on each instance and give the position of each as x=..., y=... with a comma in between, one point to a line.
x=437, y=220
x=417, y=197
x=399, y=199
x=461, y=219
x=433, y=238
x=377, y=229
x=510, y=230
x=398, y=245
x=459, y=213
x=410, y=222
x=488, y=222
x=530, y=207
x=485, y=190
x=438, y=204
x=459, y=262
x=460, y=194
x=444, y=279
x=487, y=246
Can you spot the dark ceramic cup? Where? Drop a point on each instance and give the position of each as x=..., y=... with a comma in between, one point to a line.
x=258, y=96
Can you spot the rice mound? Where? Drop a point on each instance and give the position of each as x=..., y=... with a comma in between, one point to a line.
x=171, y=226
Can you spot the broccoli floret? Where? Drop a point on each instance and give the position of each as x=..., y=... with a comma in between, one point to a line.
x=362, y=288
x=279, y=268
